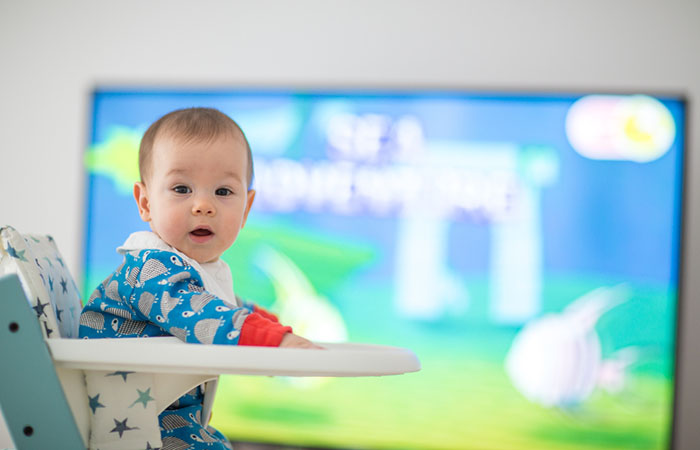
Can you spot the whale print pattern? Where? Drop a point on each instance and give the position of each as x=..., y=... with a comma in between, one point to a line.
x=164, y=297
x=182, y=429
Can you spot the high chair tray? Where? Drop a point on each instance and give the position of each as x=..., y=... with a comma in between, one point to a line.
x=170, y=355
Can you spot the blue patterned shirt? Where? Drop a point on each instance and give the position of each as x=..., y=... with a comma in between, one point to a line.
x=157, y=293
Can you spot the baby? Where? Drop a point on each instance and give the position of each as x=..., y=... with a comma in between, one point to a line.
x=195, y=192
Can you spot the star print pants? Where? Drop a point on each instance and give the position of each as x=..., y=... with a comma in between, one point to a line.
x=181, y=430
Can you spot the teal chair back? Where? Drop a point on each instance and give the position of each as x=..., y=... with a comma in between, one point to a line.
x=32, y=400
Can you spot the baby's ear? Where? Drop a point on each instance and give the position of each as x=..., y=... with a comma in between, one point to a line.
x=141, y=197
x=249, y=202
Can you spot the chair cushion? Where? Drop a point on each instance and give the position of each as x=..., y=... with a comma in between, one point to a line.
x=45, y=278
x=53, y=295
x=123, y=411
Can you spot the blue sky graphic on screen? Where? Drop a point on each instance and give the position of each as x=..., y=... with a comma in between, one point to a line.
x=525, y=246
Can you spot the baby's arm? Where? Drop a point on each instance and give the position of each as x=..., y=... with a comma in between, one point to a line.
x=290, y=340
x=170, y=294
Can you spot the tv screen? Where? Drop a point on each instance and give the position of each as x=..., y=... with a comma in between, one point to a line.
x=524, y=245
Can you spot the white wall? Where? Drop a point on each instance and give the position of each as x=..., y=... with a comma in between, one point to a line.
x=52, y=54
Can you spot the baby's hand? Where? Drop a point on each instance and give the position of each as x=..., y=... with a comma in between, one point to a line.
x=291, y=340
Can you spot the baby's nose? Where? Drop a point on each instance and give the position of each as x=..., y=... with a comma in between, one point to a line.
x=203, y=207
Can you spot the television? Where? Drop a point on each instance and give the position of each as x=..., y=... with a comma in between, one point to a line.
x=525, y=245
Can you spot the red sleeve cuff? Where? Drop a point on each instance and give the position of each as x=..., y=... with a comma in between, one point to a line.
x=265, y=313
x=261, y=331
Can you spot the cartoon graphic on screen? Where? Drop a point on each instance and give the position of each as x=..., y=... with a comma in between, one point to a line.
x=297, y=301
x=117, y=157
x=618, y=127
x=555, y=360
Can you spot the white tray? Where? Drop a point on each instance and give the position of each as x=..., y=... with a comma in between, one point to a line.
x=170, y=355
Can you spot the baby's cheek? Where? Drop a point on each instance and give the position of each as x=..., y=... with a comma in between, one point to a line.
x=230, y=234
x=174, y=225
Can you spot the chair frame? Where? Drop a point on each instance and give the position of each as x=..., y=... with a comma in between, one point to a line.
x=35, y=407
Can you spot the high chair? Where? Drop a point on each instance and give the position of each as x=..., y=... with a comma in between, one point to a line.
x=52, y=381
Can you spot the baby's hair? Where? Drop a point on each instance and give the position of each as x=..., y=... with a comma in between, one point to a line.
x=191, y=124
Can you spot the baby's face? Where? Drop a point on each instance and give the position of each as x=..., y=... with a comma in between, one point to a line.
x=196, y=197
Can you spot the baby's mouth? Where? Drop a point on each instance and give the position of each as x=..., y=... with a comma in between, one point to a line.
x=201, y=235
x=201, y=232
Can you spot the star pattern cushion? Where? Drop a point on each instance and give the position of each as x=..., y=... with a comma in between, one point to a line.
x=45, y=278
x=123, y=411
x=122, y=407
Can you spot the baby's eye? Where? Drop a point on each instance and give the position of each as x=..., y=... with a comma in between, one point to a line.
x=224, y=191
x=182, y=189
